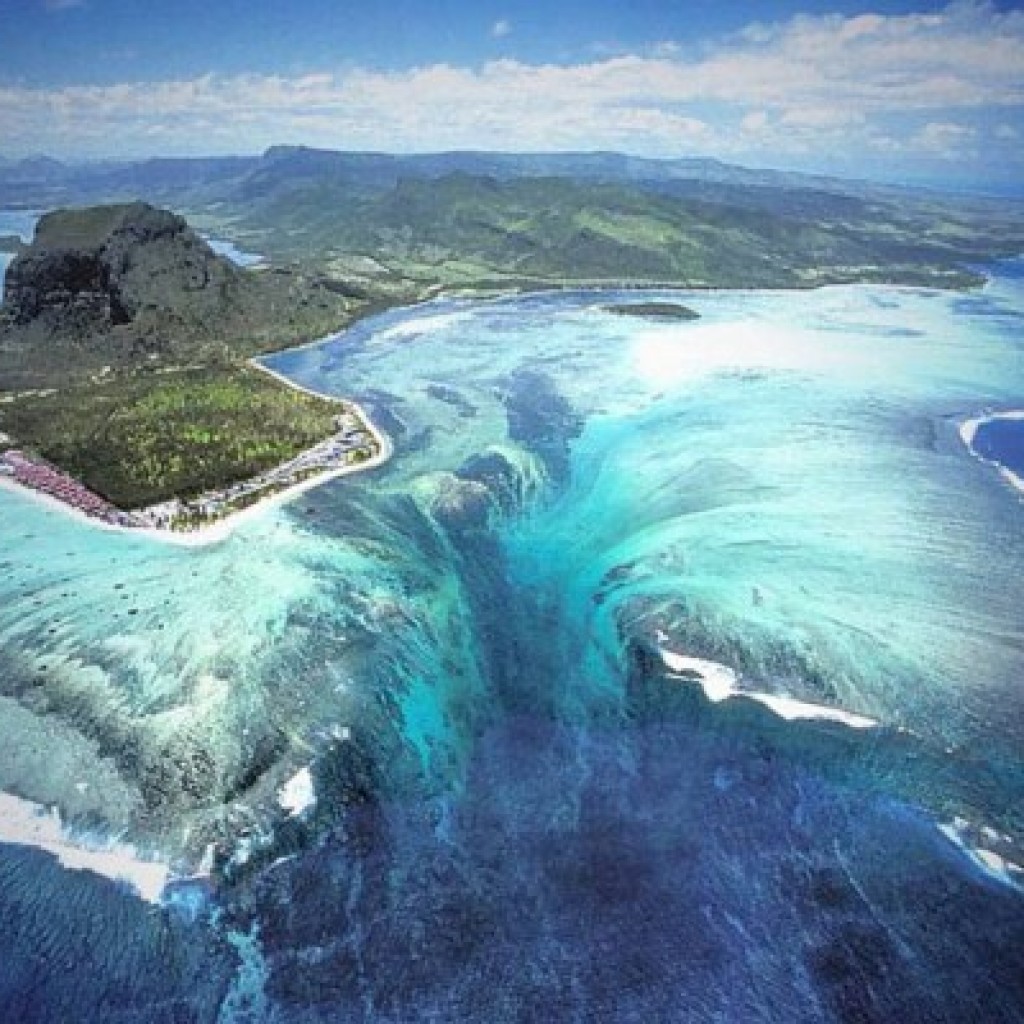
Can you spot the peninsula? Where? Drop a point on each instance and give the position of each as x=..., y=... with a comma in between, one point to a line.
x=140, y=404
x=126, y=340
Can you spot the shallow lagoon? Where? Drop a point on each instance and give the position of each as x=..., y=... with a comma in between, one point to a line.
x=20, y=223
x=521, y=812
x=239, y=257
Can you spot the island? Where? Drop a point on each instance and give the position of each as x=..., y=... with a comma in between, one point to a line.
x=147, y=408
x=653, y=310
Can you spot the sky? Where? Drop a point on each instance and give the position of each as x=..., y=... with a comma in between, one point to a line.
x=891, y=89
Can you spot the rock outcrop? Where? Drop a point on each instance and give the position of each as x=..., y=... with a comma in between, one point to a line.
x=128, y=286
x=102, y=267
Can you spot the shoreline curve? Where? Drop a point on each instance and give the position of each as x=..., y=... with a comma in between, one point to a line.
x=221, y=529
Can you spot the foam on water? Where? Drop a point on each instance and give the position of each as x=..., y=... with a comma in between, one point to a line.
x=719, y=683
x=298, y=794
x=968, y=432
x=23, y=823
x=995, y=866
x=794, y=710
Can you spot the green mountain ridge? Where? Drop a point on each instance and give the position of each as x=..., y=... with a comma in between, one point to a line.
x=387, y=225
x=465, y=229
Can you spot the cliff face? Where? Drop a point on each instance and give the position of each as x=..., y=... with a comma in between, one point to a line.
x=131, y=285
x=94, y=270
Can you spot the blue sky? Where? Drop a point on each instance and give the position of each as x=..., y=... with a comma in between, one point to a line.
x=102, y=41
x=889, y=89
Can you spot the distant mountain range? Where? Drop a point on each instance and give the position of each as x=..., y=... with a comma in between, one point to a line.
x=372, y=221
x=43, y=180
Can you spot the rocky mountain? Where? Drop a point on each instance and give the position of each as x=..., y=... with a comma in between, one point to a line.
x=130, y=285
x=88, y=272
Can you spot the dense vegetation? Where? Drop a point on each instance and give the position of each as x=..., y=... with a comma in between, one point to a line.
x=144, y=437
x=372, y=225
x=123, y=339
x=346, y=233
x=482, y=220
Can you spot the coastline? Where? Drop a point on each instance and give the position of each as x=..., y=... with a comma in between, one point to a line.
x=221, y=529
x=301, y=388
x=968, y=429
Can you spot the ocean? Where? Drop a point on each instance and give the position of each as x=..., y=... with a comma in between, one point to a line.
x=1000, y=439
x=668, y=671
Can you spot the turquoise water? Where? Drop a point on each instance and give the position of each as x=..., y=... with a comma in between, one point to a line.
x=520, y=813
x=19, y=222
x=237, y=256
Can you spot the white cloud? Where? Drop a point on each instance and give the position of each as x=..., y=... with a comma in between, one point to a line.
x=820, y=118
x=63, y=5
x=904, y=86
x=946, y=139
x=501, y=28
x=754, y=123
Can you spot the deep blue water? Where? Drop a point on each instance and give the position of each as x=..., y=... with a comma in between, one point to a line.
x=1002, y=441
x=524, y=809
